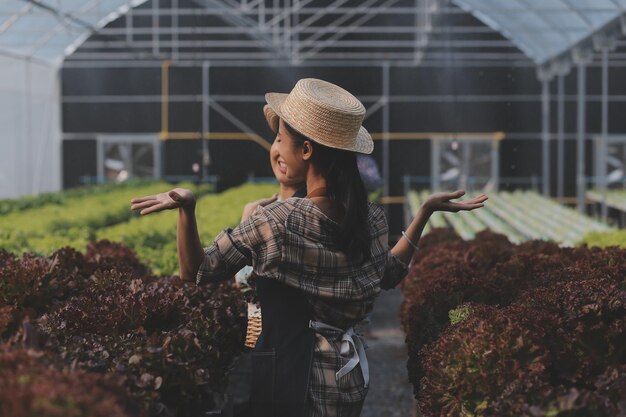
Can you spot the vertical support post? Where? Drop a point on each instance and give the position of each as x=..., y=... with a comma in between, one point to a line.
x=162, y=159
x=495, y=164
x=28, y=143
x=127, y=156
x=100, y=155
x=419, y=5
x=205, y=118
x=295, y=52
x=129, y=26
x=262, y=14
x=435, y=165
x=405, y=193
x=175, y=31
x=287, y=30
x=405, y=184
x=560, y=165
x=580, y=138
x=275, y=14
x=545, y=135
x=465, y=180
x=156, y=158
x=605, y=130
x=165, y=93
x=385, y=109
x=155, y=27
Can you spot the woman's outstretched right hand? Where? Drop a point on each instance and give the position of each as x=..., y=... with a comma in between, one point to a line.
x=176, y=198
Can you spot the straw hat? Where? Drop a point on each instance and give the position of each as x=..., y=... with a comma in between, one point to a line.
x=323, y=112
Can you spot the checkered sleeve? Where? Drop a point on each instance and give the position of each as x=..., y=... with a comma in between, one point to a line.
x=395, y=271
x=234, y=248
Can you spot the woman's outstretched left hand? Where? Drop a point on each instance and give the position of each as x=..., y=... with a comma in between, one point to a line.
x=441, y=202
x=176, y=198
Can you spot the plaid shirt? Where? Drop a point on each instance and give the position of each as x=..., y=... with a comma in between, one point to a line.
x=296, y=243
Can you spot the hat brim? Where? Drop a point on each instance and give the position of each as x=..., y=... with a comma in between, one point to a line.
x=363, y=144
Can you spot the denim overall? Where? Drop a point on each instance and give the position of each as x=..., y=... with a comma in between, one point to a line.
x=283, y=355
x=282, y=358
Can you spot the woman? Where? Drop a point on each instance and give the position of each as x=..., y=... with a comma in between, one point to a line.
x=323, y=258
x=288, y=187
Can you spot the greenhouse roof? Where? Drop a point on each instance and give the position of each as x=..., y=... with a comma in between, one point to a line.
x=51, y=30
x=544, y=29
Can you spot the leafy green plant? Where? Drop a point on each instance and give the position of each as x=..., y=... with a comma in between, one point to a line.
x=499, y=329
x=75, y=222
x=605, y=239
x=28, y=387
x=64, y=197
x=170, y=343
x=459, y=314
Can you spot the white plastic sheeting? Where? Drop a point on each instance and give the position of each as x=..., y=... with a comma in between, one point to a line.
x=544, y=29
x=30, y=133
x=35, y=37
x=50, y=30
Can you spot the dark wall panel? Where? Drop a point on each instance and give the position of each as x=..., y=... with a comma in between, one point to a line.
x=79, y=160
x=465, y=117
x=258, y=81
x=128, y=100
x=110, y=81
x=111, y=117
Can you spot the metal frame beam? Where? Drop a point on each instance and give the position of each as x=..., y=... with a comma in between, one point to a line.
x=253, y=43
x=239, y=20
x=206, y=99
x=344, y=30
x=267, y=56
x=545, y=135
x=580, y=140
x=377, y=100
x=238, y=63
x=325, y=30
x=560, y=165
x=605, y=49
x=386, y=128
x=380, y=10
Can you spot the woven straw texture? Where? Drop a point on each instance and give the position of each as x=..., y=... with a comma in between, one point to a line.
x=254, y=326
x=323, y=112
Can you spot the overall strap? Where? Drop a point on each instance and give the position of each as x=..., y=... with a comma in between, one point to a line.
x=348, y=338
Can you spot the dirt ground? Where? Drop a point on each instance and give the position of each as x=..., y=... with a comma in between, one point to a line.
x=390, y=394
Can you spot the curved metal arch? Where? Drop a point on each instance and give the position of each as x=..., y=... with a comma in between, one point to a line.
x=47, y=32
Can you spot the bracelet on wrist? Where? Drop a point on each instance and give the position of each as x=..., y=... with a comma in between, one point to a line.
x=409, y=240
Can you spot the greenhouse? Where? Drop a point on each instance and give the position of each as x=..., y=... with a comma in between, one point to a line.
x=312, y=207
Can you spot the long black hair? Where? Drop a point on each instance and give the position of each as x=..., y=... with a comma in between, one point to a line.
x=345, y=186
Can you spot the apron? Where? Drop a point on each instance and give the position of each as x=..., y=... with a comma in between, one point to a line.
x=283, y=355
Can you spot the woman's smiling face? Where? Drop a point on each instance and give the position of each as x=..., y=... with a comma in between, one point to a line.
x=286, y=160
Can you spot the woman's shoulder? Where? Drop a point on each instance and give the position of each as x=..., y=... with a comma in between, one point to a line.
x=376, y=213
x=375, y=210
x=279, y=210
x=377, y=220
